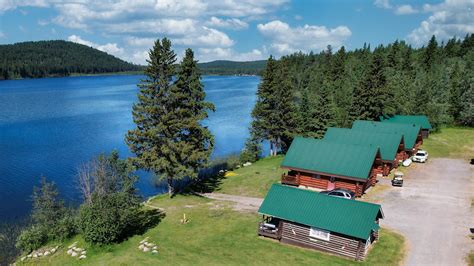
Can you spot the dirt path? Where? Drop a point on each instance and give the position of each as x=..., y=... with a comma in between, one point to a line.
x=433, y=211
x=240, y=203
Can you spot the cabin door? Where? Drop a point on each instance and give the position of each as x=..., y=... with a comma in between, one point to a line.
x=331, y=183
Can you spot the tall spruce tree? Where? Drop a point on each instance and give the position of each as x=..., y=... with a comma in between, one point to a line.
x=372, y=98
x=275, y=115
x=169, y=139
x=431, y=53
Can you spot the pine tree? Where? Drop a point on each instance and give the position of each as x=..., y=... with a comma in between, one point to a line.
x=466, y=116
x=168, y=138
x=455, y=91
x=275, y=116
x=430, y=53
x=393, y=58
x=372, y=98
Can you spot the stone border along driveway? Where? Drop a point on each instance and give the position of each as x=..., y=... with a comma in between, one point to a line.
x=432, y=210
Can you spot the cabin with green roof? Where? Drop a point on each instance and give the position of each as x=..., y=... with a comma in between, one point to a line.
x=312, y=220
x=391, y=144
x=324, y=165
x=412, y=136
x=420, y=120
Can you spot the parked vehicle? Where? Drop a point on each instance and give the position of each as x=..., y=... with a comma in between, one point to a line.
x=397, y=180
x=421, y=156
x=407, y=162
x=340, y=193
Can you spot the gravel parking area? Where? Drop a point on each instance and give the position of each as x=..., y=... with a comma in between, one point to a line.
x=433, y=211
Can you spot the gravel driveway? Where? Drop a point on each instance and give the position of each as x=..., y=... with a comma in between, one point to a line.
x=433, y=211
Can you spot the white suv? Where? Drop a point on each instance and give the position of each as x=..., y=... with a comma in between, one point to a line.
x=421, y=156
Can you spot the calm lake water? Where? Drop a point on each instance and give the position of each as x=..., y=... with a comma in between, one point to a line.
x=50, y=126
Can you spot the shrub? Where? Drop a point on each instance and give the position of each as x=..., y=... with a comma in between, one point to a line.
x=108, y=218
x=31, y=239
x=65, y=228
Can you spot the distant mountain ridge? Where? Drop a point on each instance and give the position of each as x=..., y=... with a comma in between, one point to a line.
x=57, y=58
x=226, y=67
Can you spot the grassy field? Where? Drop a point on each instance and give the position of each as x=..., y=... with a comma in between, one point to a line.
x=454, y=142
x=254, y=180
x=215, y=235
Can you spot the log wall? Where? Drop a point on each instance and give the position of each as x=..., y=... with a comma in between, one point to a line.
x=308, y=180
x=339, y=244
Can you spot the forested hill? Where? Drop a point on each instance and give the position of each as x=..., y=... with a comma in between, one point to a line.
x=224, y=67
x=312, y=91
x=56, y=58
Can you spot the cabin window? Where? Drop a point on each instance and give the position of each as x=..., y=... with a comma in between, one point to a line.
x=319, y=233
x=316, y=176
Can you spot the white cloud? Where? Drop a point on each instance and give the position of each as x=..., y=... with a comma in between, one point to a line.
x=398, y=9
x=42, y=22
x=198, y=24
x=13, y=4
x=448, y=19
x=210, y=54
x=383, y=4
x=405, y=10
x=298, y=17
x=285, y=39
x=110, y=48
x=231, y=23
x=2, y=35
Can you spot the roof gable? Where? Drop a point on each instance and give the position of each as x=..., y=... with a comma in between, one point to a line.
x=348, y=217
x=410, y=131
x=387, y=142
x=329, y=157
x=420, y=120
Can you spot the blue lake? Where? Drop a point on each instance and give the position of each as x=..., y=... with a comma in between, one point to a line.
x=51, y=126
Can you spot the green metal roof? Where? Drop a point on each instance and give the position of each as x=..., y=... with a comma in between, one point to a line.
x=409, y=131
x=330, y=157
x=344, y=216
x=420, y=120
x=387, y=142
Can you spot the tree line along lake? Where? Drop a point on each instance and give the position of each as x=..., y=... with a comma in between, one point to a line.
x=50, y=126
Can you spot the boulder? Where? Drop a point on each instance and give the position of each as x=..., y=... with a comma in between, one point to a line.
x=73, y=245
x=154, y=251
x=74, y=254
x=146, y=249
x=82, y=257
x=53, y=250
x=29, y=255
x=23, y=258
x=40, y=254
x=46, y=253
x=69, y=251
x=141, y=247
x=83, y=252
x=78, y=249
x=35, y=255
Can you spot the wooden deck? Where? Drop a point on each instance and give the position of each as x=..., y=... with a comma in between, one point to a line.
x=267, y=232
x=290, y=180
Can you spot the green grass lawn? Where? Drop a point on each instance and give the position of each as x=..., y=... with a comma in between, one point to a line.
x=254, y=180
x=216, y=235
x=452, y=142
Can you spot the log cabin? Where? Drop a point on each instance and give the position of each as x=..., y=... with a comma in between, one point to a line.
x=312, y=220
x=412, y=135
x=420, y=120
x=323, y=165
x=391, y=144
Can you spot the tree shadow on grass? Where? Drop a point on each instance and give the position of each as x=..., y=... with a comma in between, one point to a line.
x=208, y=180
x=146, y=219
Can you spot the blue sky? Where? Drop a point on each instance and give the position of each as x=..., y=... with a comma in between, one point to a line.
x=231, y=29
